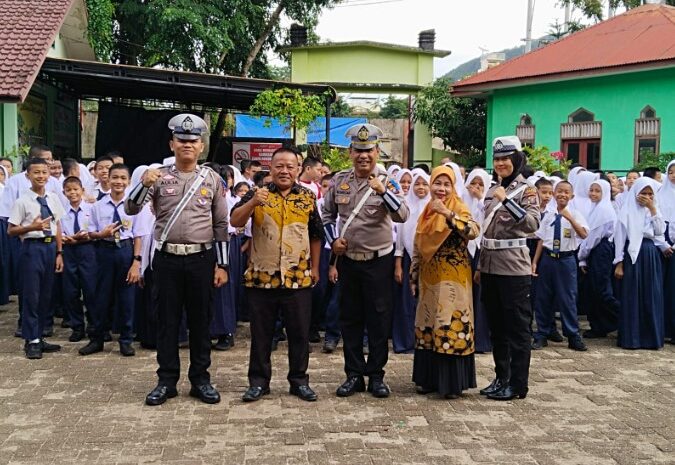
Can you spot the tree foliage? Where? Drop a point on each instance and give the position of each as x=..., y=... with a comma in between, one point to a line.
x=459, y=122
x=394, y=108
x=340, y=108
x=289, y=106
x=594, y=9
x=214, y=36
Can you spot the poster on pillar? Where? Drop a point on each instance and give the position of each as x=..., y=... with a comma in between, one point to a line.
x=259, y=151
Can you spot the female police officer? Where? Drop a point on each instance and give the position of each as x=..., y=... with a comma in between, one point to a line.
x=511, y=215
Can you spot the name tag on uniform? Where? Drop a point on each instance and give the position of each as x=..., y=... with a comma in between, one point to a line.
x=169, y=191
x=342, y=199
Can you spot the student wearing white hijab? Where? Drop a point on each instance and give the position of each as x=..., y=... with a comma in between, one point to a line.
x=405, y=304
x=459, y=185
x=392, y=170
x=639, y=266
x=596, y=255
x=477, y=184
x=666, y=201
x=581, y=202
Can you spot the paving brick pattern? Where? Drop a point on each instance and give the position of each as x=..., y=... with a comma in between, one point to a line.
x=603, y=407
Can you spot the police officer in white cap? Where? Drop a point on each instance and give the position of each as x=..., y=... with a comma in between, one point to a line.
x=366, y=202
x=511, y=216
x=191, y=256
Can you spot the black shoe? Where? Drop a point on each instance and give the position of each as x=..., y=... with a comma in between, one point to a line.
x=206, y=393
x=48, y=332
x=275, y=344
x=160, y=394
x=555, y=336
x=304, y=392
x=508, y=393
x=47, y=347
x=350, y=386
x=496, y=385
x=127, y=350
x=576, y=343
x=314, y=336
x=424, y=390
x=224, y=342
x=33, y=350
x=76, y=336
x=539, y=343
x=378, y=388
x=590, y=334
x=254, y=393
x=107, y=337
x=329, y=347
x=91, y=348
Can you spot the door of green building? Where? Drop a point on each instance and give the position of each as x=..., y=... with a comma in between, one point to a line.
x=585, y=152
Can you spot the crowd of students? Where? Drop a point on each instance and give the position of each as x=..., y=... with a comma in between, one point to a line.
x=603, y=248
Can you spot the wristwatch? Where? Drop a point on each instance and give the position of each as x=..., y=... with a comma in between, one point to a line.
x=224, y=267
x=138, y=258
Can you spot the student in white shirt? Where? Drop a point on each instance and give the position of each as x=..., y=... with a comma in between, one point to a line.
x=639, y=266
x=36, y=218
x=555, y=266
x=666, y=200
x=596, y=255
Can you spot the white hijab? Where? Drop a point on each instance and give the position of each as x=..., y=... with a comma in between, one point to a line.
x=416, y=206
x=602, y=212
x=666, y=196
x=237, y=176
x=393, y=170
x=633, y=216
x=572, y=176
x=137, y=175
x=581, y=202
x=459, y=179
x=476, y=205
x=399, y=175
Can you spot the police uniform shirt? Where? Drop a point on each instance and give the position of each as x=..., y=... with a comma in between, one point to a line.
x=568, y=239
x=83, y=212
x=102, y=215
x=282, y=231
x=518, y=218
x=27, y=208
x=205, y=216
x=371, y=229
x=16, y=185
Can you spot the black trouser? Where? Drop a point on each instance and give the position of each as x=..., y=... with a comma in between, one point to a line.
x=507, y=301
x=184, y=282
x=296, y=308
x=366, y=301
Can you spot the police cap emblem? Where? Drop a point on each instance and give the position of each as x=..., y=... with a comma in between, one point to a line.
x=187, y=125
x=363, y=134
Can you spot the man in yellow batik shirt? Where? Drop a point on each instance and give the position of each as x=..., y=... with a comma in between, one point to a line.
x=284, y=265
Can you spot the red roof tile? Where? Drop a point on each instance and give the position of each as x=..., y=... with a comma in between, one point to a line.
x=29, y=28
x=640, y=36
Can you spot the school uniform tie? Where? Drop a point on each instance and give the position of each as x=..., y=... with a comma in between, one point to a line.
x=118, y=220
x=557, y=233
x=45, y=212
x=76, y=221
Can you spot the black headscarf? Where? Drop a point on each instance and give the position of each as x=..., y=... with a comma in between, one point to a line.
x=518, y=159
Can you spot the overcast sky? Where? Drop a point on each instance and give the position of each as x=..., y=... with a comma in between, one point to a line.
x=462, y=26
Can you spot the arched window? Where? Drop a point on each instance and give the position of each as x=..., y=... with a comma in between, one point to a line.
x=581, y=116
x=647, y=134
x=525, y=130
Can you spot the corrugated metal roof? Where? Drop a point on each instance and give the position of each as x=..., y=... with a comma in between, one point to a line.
x=641, y=36
x=29, y=27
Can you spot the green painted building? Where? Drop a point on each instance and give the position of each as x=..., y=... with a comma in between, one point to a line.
x=605, y=96
x=369, y=67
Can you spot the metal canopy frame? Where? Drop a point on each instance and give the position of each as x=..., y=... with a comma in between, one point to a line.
x=87, y=79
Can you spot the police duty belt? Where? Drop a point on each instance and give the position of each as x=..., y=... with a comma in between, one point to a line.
x=355, y=212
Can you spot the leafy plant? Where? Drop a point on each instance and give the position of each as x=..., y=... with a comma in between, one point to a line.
x=540, y=158
x=649, y=159
x=394, y=108
x=289, y=107
x=338, y=159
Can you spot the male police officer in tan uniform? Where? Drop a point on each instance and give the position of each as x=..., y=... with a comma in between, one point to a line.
x=191, y=256
x=511, y=215
x=366, y=202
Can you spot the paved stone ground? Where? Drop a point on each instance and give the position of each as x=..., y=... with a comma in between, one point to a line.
x=606, y=406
